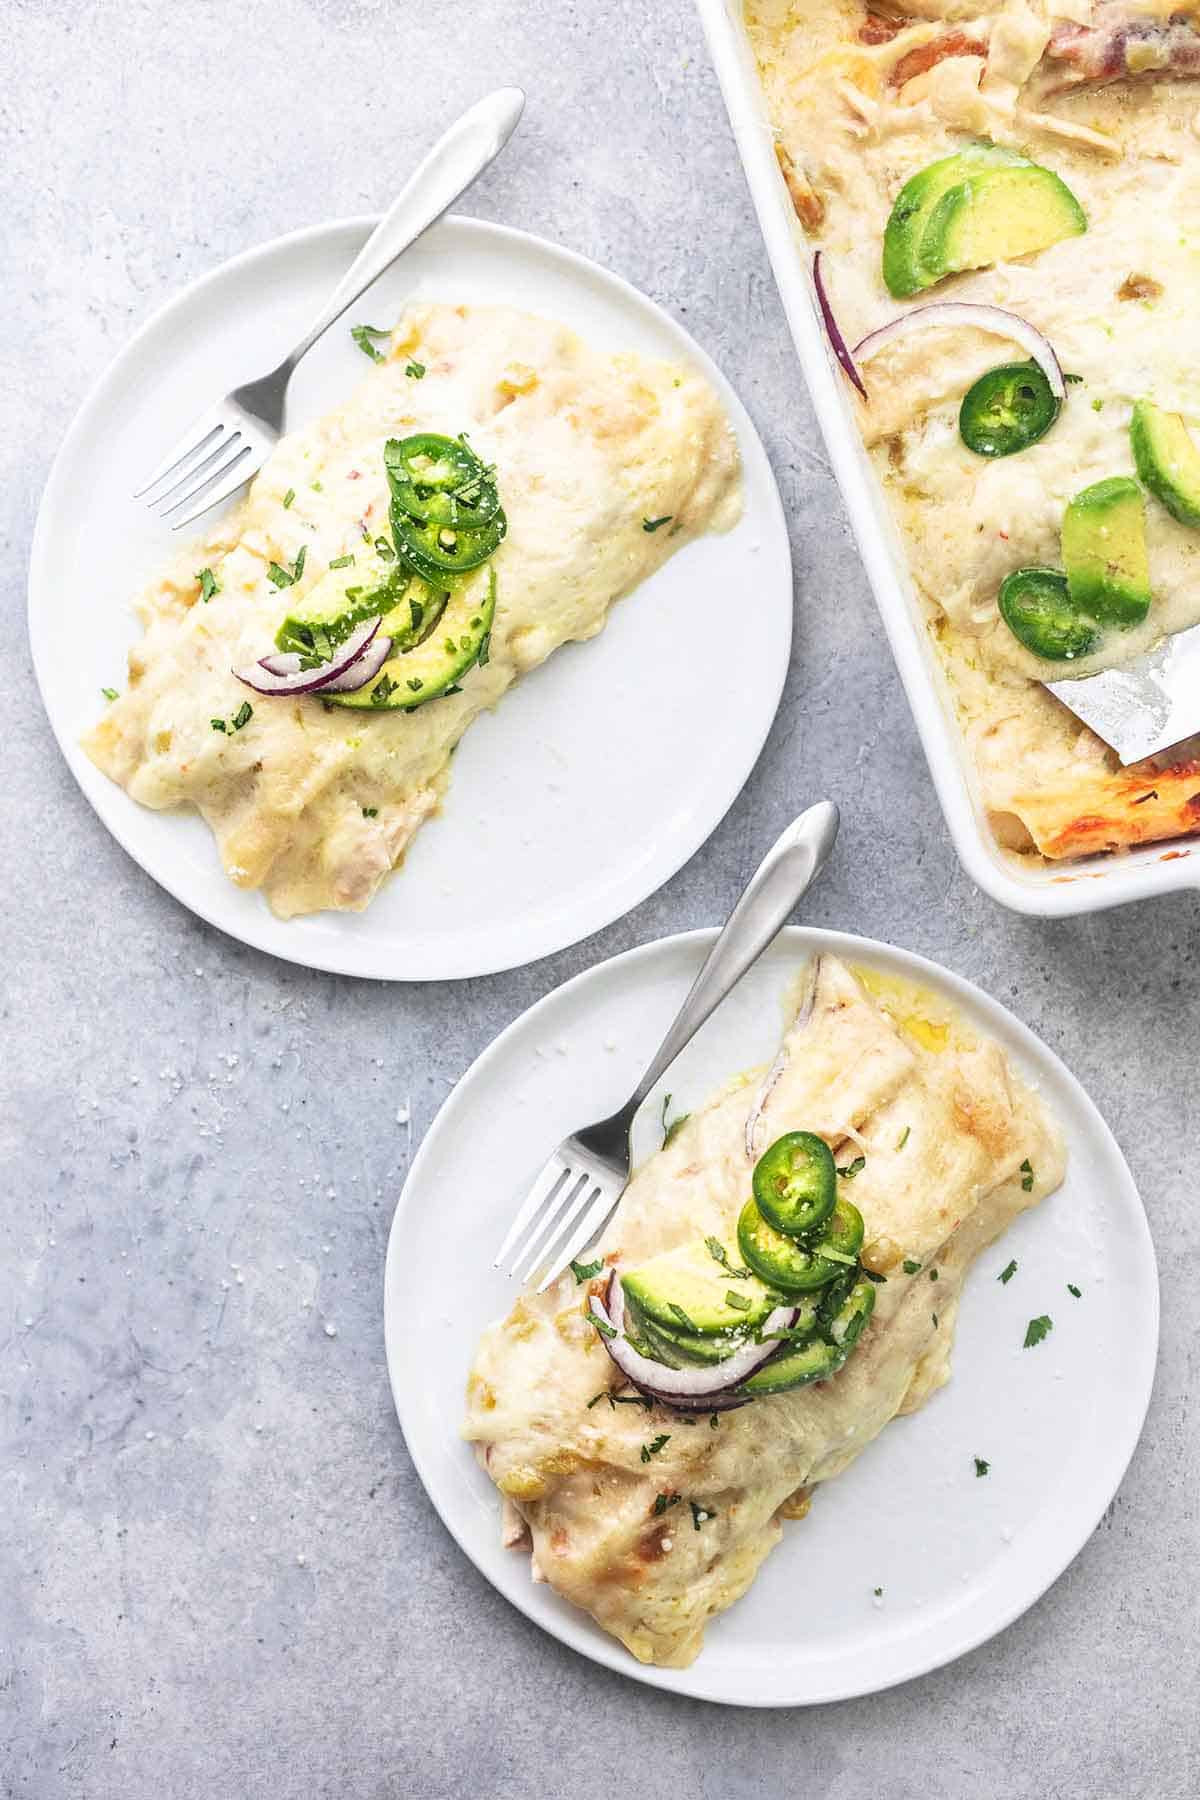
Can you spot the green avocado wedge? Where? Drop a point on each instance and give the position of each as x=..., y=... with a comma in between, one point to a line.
x=1167, y=460
x=690, y=1290
x=815, y=1361
x=438, y=658
x=996, y=215
x=1104, y=552
x=903, y=272
x=371, y=581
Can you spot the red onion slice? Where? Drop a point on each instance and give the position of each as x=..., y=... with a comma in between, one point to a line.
x=265, y=680
x=837, y=342
x=364, y=668
x=985, y=318
x=701, y=1390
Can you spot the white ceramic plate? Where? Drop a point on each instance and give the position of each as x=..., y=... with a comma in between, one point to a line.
x=597, y=777
x=958, y=1557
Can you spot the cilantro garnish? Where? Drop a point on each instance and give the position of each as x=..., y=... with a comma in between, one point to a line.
x=288, y=498
x=1007, y=1274
x=383, y=690
x=872, y=1275
x=739, y=1302
x=208, y=584
x=1072, y=1289
x=852, y=1169
x=110, y=693
x=584, y=1271
x=719, y=1254
x=933, y=1274
x=656, y=1444
x=414, y=370
x=663, y=1501
x=242, y=716
x=1027, y=1176
x=910, y=1267
x=688, y=1324
x=343, y=562
x=904, y=1137
x=714, y=1420
x=602, y=1326
x=1037, y=1329
x=279, y=576
x=653, y=524
x=700, y=1515
x=370, y=812
x=364, y=335
x=981, y=1467
x=669, y=1129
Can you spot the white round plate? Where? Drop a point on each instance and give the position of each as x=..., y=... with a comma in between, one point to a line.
x=598, y=776
x=957, y=1557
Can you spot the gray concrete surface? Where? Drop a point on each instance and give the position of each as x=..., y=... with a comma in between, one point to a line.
x=219, y=1575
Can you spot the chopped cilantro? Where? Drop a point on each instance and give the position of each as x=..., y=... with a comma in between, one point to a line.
x=663, y=1501
x=1072, y=1289
x=852, y=1169
x=279, y=575
x=714, y=1420
x=653, y=524
x=288, y=498
x=1027, y=1176
x=1072, y=377
x=109, y=693
x=414, y=370
x=873, y=1275
x=208, y=584
x=383, y=690
x=1007, y=1274
x=739, y=1302
x=485, y=645
x=370, y=812
x=298, y=565
x=981, y=1467
x=910, y=1267
x=700, y=1515
x=384, y=550
x=933, y=1274
x=343, y=562
x=656, y=1444
x=878, y=1593
x=669, y=1129
x=934, y=1317
x=688, y=1324
x=904, y=1137
x=602, y=1326
x=364, y=336
x=242, y=716
x=719, y=1254
x=217, y=724
x=1037, y=1329
x=584, y=1271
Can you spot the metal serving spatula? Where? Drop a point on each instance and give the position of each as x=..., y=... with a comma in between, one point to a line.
x=1146, y=706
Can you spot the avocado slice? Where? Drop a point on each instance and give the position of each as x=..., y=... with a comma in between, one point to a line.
x=370, y=582
x=1104, y=552
x=816, y=1360
x=1167, y=460
x=688, y=1290
x=677, y=1345
x=902, y=270
x=996, y=215
x=433, y=661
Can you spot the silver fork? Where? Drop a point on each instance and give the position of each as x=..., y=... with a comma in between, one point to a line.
x=225, y=446
x=582, y=1181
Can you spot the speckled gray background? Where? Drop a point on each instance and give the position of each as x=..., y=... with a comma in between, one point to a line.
x=219, y=1575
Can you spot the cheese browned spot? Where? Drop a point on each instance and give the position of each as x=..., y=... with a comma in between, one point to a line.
x=315, y=807
x=945, y=1126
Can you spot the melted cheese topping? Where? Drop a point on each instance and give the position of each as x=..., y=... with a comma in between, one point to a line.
x=315, y=806
x=1117, y=304
x=944, y=1130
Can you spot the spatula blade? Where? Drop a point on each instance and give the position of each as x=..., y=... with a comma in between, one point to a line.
x=1146, y=706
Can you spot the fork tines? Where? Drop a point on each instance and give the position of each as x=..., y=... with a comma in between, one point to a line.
x=542, y=1230
x=204, y=466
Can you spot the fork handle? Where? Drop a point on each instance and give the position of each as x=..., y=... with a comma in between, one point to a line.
x=785, y=873
x=459, y=156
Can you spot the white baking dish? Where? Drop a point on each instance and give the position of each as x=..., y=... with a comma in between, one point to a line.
x=1025, y=884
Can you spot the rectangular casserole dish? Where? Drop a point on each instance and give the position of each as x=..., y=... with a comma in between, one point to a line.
x=1025, y=884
